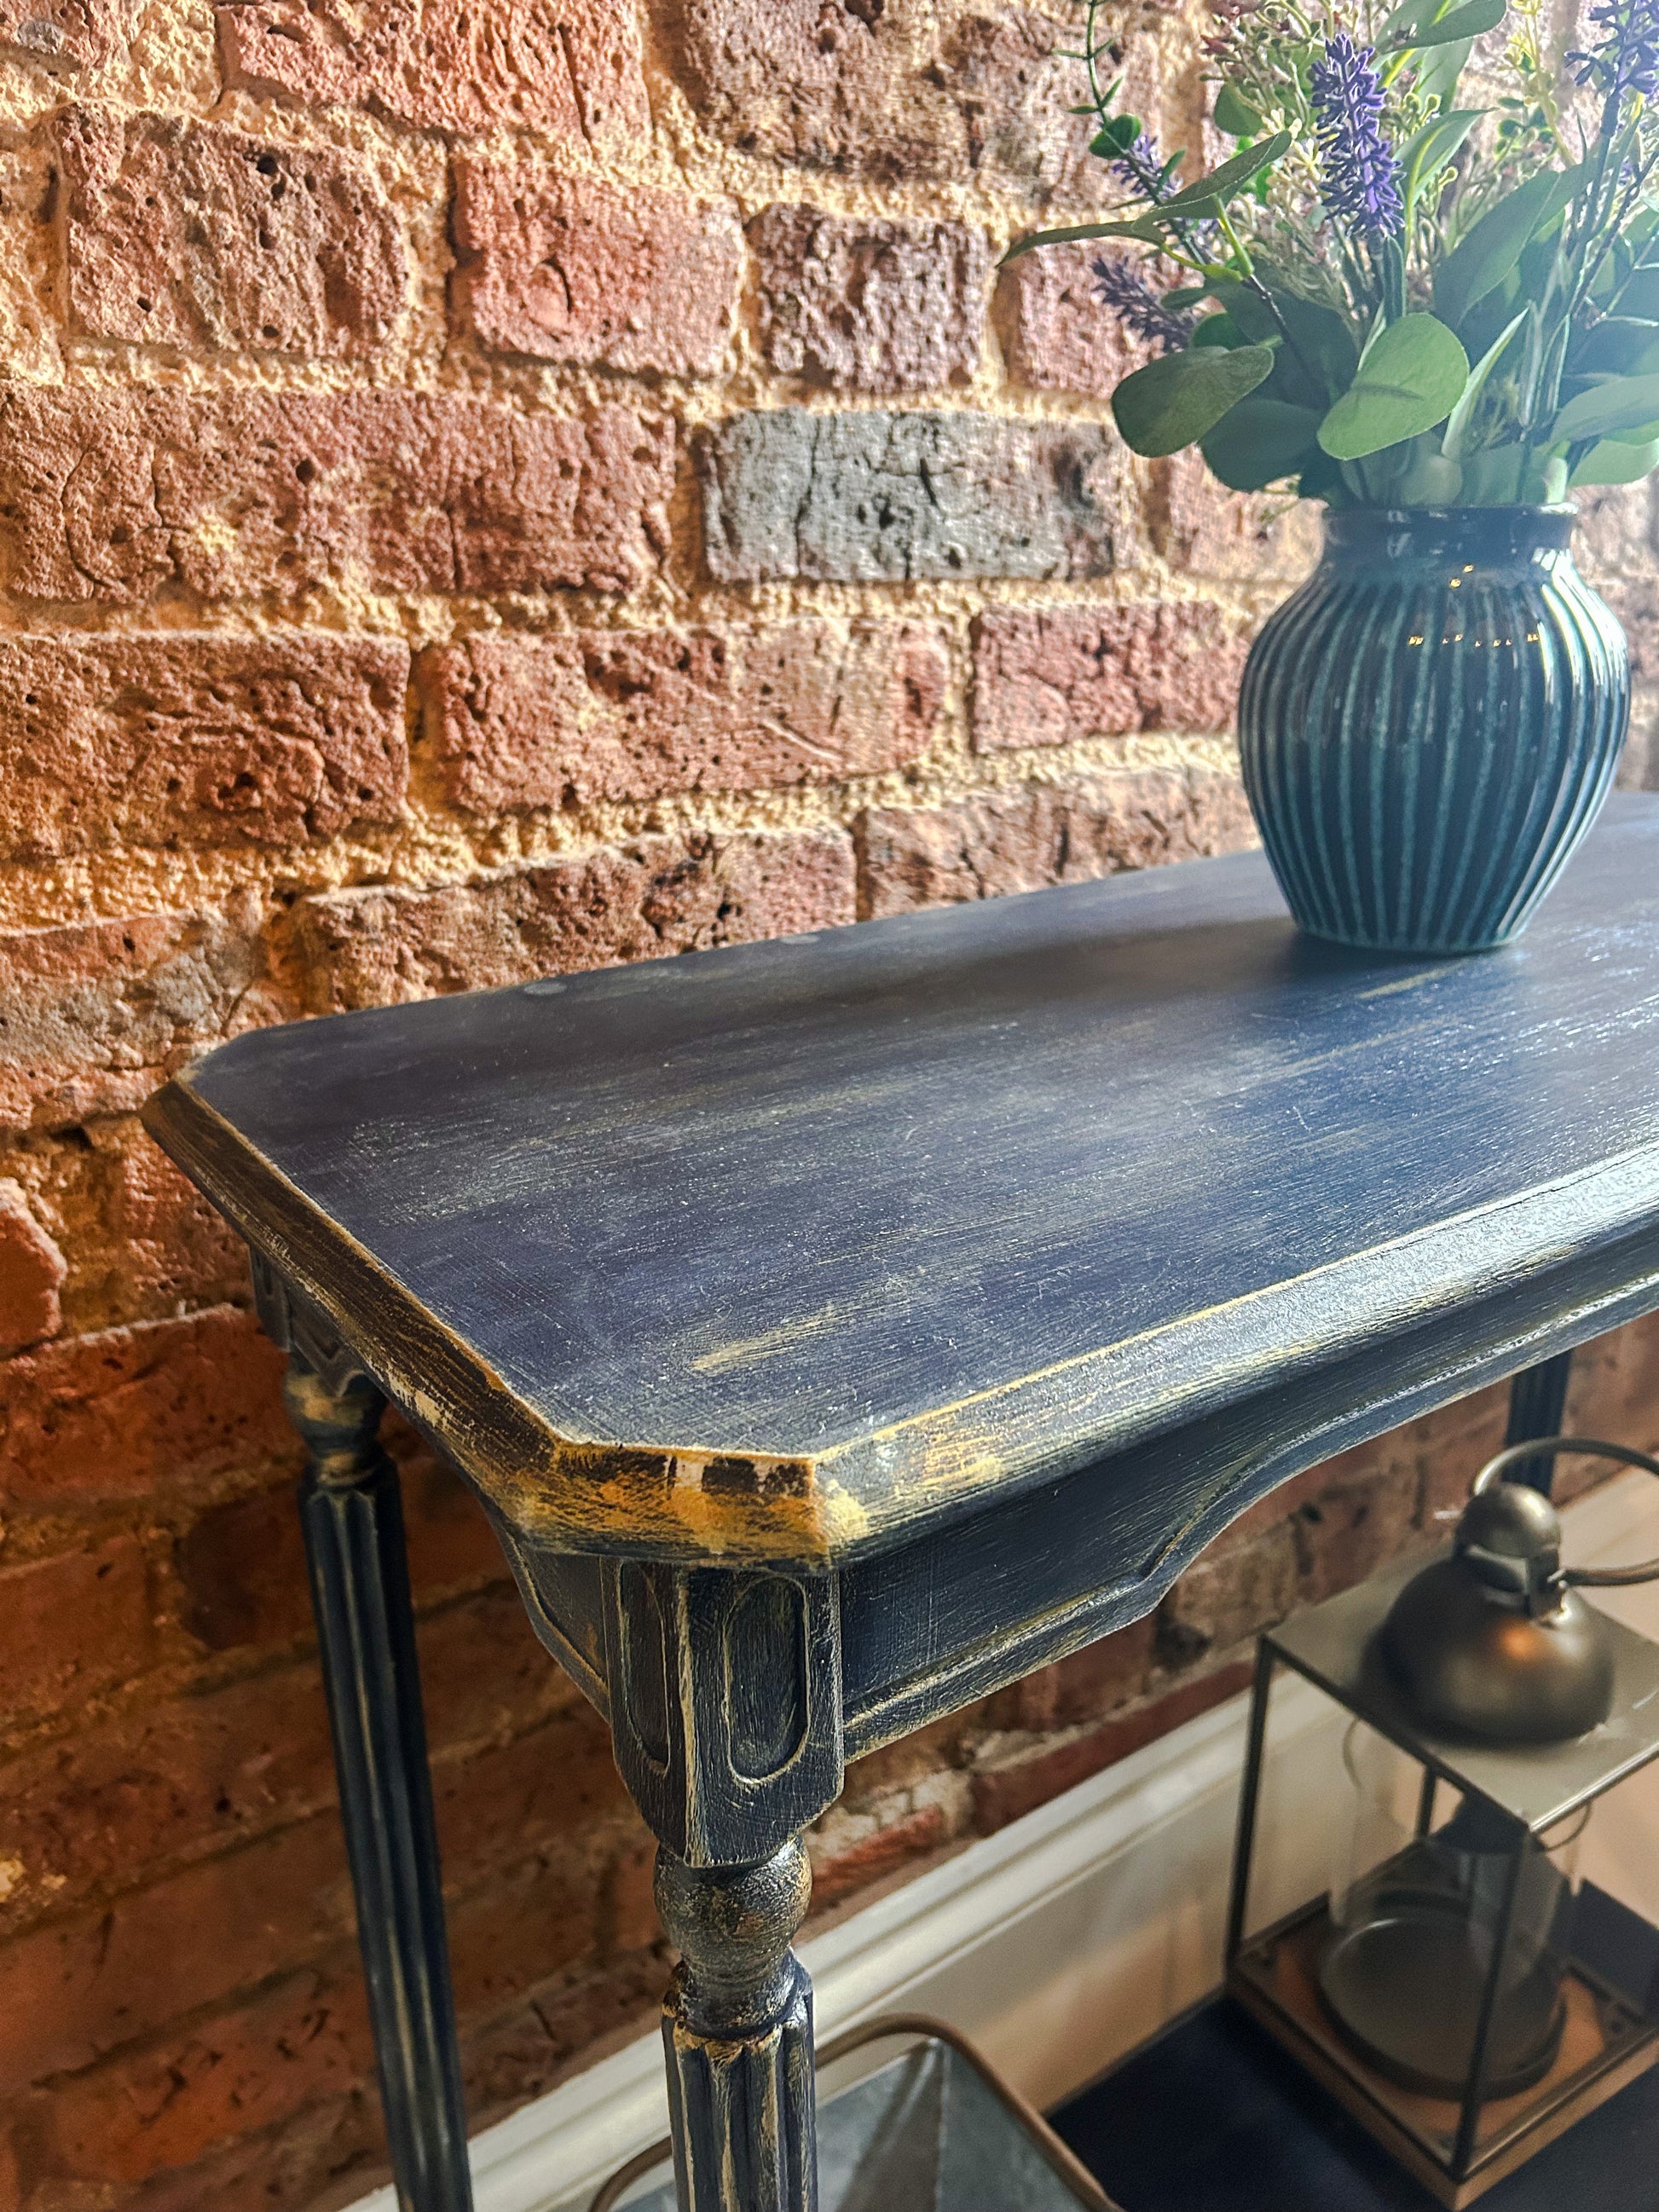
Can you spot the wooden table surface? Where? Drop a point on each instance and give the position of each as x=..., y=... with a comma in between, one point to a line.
x=790, y=1250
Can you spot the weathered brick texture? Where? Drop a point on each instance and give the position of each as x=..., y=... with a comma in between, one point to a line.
x=373, y=947
x=570, y=68
x=870, y=305
x=906, y=89
x=93, y=1013
x=116, y=497
x=487, y=491
x=1020, y=840
x=620, y=714
x=197, y=740
x=574, y=271
x=31, y=1272
x=72, y=37
x=175, y=234
x=1058, y=332
x=880, y=497
x=1051, y=676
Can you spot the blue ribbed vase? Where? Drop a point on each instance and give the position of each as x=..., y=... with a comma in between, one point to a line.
x=1431, y=724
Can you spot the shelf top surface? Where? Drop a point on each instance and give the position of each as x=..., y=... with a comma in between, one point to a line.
x=786, y=1247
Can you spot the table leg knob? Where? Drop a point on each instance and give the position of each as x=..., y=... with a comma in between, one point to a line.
x=737, y=2026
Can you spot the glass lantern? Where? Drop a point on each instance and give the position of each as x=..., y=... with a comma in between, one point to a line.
x=1447, y=1878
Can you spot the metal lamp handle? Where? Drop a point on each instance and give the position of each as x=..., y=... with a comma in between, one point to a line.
x=1645, y=1571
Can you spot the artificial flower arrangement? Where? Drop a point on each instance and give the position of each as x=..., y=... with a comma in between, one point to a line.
x=1391, y=295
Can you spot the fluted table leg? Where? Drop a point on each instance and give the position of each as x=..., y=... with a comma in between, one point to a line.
x=738, y=2028
x=352, y=1518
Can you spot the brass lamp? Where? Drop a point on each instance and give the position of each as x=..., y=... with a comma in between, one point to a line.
x=1469, y=1970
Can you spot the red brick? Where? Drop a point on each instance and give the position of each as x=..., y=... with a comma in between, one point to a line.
x=569, y=68
x=519, y=1929
x=93, y=1013
x=235, y=2074
x=558, y=1782
x=619, y=715
x=197, y=740
x=568, y=269
x=1351, y=1528
x=1019, y=840
x=639, y=902
x=129, y=1410
x=117, y=496
x=1007, y=1787
x=31, y=1272
x=1616, y=531
x=1204, y=529
x=1049, y=676
x=856, y=304
x=631, y=1923
x=242, y=1567
x=877, y=1855
x=327, y=2154
x=1229, y=1594
x=176, y=233
x=67, y=37
x=218, y=1766
x=1087, y=1684
x=72, y=1625
x=911, y=89
x=1058, y=334
x=143, y=1243
x=71, y=1993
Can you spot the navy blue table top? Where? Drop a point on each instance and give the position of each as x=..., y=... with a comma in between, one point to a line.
x=794, y=1249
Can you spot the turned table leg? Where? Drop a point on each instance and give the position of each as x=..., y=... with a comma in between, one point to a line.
x=738, y=2029
x=1538, y=1405
x=353, y=1519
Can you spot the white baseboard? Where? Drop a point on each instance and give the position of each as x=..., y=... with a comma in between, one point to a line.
x=1057, y=1944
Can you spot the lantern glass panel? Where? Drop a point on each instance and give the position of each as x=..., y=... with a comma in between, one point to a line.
x=1388, y=1909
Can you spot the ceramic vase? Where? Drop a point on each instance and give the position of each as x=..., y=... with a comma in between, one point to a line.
x=1430, y=725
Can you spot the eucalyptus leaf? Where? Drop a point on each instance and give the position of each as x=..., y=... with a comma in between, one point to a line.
x=1219, y=331
x=1485, y=255
x=1614, y=461
x=1145, y=228
x=1473, y=20
x=1319, y=357
x=1410, y=377
x=1174, y=401
x=1234, y=114
x=1615, y=404
x=1222, y=183
x=1453, y=445
x=1260, y=440
x=1640, y=297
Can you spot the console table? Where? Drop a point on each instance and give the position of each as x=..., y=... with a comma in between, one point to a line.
x=838, y=1328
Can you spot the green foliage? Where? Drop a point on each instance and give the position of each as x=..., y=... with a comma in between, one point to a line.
x=1369, y=238
x=1261, y=442
x=1173, y=402
x=1410, y=377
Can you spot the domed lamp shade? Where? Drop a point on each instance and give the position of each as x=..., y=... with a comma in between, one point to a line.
x=1421, y=1910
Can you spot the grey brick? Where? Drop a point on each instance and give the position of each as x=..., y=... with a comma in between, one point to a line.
x=885, y=497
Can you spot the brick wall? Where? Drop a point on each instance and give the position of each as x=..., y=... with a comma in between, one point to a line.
x=488, y=490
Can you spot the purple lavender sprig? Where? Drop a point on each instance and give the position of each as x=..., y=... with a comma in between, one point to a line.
x=1361, y=178
x=1138, y=307
x=1141, y=169
x=1627, y=58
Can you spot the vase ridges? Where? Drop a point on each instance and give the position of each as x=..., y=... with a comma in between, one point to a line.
x=1425, y=739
